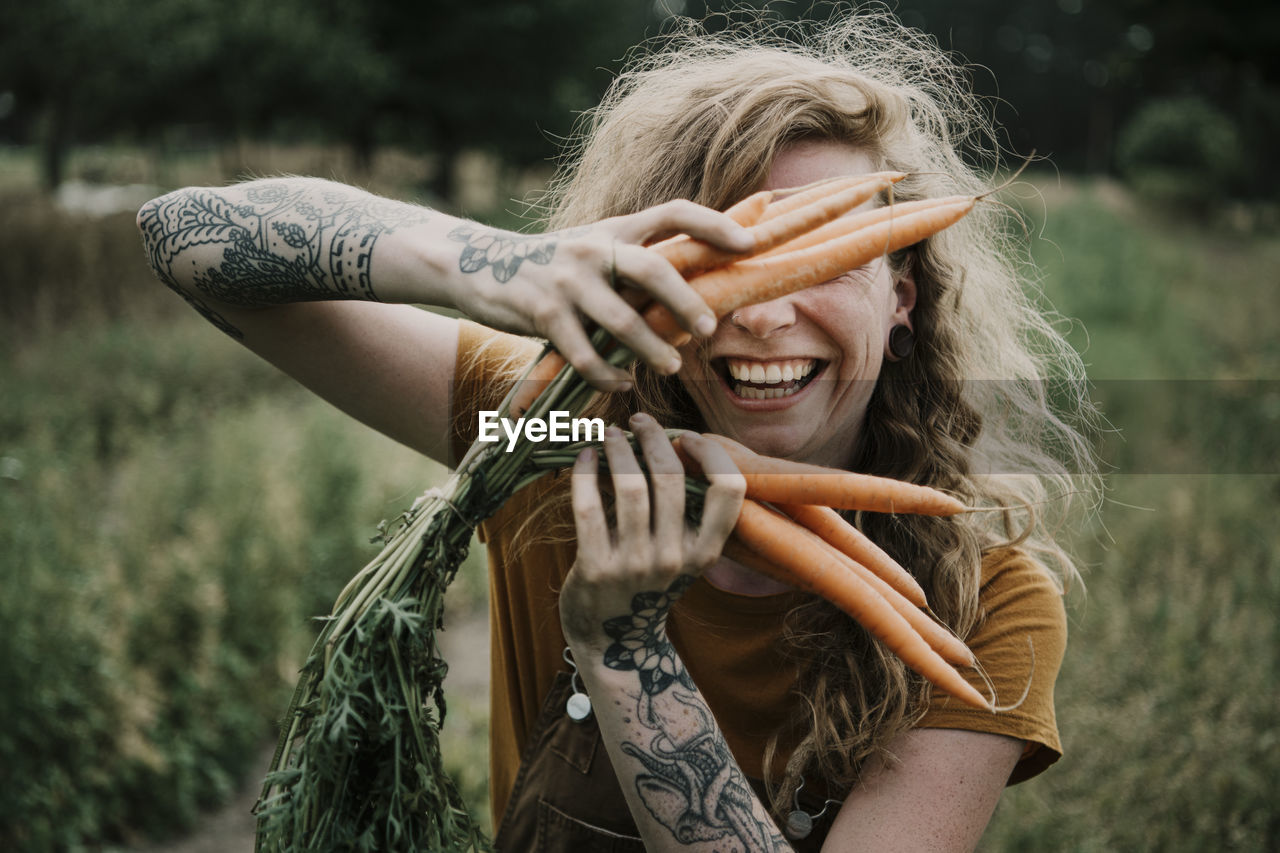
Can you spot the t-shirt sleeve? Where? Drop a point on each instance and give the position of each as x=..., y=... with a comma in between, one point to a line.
x=1019, y=642
x=487, y=363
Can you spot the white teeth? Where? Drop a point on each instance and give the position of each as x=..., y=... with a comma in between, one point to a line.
x=771, y=373
x=763, y=393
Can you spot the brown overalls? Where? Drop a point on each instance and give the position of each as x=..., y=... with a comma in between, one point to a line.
x=567, y=798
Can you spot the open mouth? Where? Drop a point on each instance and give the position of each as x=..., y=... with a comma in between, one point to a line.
x=767, y=380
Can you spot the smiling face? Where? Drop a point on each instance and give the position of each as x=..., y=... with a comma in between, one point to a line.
x=792, y=377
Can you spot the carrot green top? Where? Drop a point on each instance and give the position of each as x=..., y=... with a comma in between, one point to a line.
x=729, y=642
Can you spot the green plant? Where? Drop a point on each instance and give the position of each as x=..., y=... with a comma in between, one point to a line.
x=163, y=547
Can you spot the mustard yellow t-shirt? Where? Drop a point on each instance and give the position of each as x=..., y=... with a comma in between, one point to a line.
x=729, y=643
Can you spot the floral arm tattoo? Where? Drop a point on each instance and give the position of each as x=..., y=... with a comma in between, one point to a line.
x=283, y=241
x=689, y=781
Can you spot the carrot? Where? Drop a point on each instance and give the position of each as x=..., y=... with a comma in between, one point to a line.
x=691, y=256
x=798, y=197
x=939, y=638
x=749, y=210
x=855, y=544
x=942, y=641
x=760, y=279
x=849, y=224
x=746, y=212
x=782, y=481
x=798, y=557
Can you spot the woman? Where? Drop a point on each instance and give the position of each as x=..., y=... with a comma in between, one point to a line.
x=723, y=705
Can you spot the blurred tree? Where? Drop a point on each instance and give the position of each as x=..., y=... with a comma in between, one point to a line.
x=1228, y=54
x=61, y=61
x=1065, y=76
x=501, y=75
x=83, y=70
x=1069, y=75
x=259, y=63
x=1180, y=150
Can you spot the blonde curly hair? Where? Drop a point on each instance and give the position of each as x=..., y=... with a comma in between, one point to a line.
x=990, y=407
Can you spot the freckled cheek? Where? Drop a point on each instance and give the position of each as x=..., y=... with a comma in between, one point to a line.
x=864, y=367
x=858, y=332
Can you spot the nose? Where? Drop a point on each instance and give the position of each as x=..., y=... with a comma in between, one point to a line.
x=765, y=318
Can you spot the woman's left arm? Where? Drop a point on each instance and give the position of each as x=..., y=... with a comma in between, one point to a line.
x=937, y=796
x=683, y=786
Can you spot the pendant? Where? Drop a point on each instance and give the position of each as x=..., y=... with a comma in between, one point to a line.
x=799, y=825
x=578, y=706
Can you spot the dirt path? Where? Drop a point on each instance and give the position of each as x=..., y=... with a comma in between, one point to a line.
x=465, y=644
x=231, y=828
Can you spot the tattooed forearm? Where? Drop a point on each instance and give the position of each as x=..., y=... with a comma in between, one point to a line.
x=690, y=782
x=279, y=241
x=503, y=252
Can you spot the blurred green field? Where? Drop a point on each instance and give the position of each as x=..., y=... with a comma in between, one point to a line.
x=1168, y=700
x=174, y=512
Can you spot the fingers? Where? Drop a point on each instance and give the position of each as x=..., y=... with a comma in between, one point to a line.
x=657, y=277
x=632, y=492
x=564, y=329
x=660, y=280
x=652, y=538
x=581, y=294
x=572, y=284
x=610, y=310
x=685, y=217
x=667, y=489
x=723, y=500
x=585, y=288
x=588, y=510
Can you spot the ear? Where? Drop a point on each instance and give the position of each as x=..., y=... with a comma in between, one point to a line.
x=899, y=337
x=904, y=291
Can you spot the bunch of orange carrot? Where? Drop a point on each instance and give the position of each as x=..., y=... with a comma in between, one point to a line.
x=804, y=542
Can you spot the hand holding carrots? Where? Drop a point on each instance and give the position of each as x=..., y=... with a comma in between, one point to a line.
x=651, y=548
x=795, y=240
x=596, y=276
x=796, y=542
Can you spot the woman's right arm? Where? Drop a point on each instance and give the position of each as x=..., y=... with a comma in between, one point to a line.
x=320, y=279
